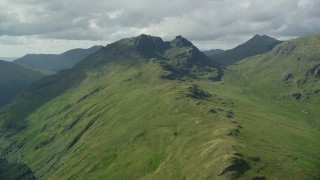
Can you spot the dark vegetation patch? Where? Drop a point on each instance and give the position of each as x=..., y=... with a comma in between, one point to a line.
x=296, y=96
x=234, y=132
x=255, y=158
x=13, y=147
x=74, y=122
x=259, y=178
x=219, y=75
x=44, y=143
x=237, y=167
x=78, y=137
x=92, y=92
x=212, y=110
x=196, y=93
x=224, y=102
x=229, y=114
x=15, y=171
x=173, y=73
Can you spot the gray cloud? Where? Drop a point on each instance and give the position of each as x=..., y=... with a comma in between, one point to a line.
x=227, y=22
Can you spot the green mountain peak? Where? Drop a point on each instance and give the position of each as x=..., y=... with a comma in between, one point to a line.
x=143, y=108
x=256, y=45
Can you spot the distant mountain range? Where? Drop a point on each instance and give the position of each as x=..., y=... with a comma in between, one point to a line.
x=56, y=62
x=8, y=58
x=256, y=45
x=14, y=78
x=213, y=52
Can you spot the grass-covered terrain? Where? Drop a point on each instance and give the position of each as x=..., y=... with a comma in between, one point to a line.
x=142, y=108
x=278, y=98
x=14, y=78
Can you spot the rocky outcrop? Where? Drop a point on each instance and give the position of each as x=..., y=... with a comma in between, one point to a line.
x=296, y=96
x=314, y=71
x=180, y=42
x=287, y=76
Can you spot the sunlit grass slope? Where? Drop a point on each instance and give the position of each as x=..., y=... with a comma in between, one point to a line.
x=277, y=96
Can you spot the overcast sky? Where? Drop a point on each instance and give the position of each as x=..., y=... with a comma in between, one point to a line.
x=54, y=26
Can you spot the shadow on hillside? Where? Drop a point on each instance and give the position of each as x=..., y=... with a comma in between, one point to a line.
x=15, y=171
x=14, y=114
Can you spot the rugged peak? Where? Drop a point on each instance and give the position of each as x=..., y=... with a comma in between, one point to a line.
x=148, y=40
x=144, y=42
x=180, y=41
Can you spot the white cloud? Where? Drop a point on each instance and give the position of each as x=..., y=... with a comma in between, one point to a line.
x=221, y=23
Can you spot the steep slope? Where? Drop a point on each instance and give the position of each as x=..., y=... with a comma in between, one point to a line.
x=56, y=62
x=138, y=108
x=277, y=94
x=14, y=78
x=256, y=45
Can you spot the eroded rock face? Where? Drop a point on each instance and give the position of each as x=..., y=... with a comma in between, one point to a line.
x=296, y=96
x=284, y=49
x=287, y=76
x=146, y=43
x=306, y=52
x=314, y=71
x=180, y=42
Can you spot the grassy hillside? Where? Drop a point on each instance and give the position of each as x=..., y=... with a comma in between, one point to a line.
x=126, y=114
x=279, y=98
x=254, y=46
x=14, y=78
x=56, y=62
x=142, y=108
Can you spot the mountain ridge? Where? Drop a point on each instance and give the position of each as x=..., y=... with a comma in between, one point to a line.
x=127, y=113
x=14, y=78
x=56, y=62
x=256, y=45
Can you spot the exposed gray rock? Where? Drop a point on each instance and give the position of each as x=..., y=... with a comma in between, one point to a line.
x=180, y=42
x=296, y=96
x=284, y=49
x=314, y=71
x=301, y=82
x=287, y=76
x=317, y=72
